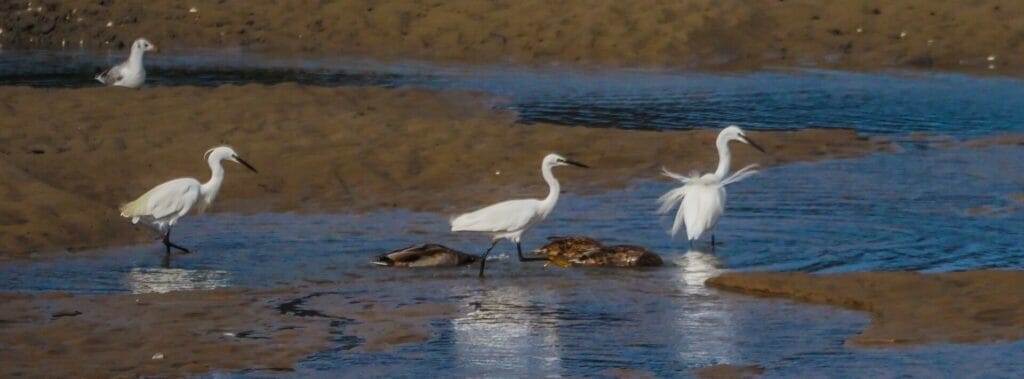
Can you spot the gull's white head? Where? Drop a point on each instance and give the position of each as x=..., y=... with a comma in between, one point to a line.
x=220, y=153
x=554, y=160
x=734, y=133
x=143, y=45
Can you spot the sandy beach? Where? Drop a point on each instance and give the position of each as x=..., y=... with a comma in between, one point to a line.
x=333, y=160
x=318, y=149
x=191, y=332
x=979, y=36
x=905, y=307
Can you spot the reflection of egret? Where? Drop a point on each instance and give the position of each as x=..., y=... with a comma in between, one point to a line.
x=697, y=267
x=164, y=280
x=701, y=199
x=510, y=219
x=709, y=324
x=509, y=332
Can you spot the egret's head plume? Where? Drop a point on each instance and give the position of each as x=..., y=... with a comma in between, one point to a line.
x=552, y=160
x=734, y=133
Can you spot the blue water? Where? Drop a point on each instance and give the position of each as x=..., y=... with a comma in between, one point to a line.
x=923, y=208
x=912, y=210
x=892, y=103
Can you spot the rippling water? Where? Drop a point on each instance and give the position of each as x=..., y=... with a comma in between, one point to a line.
x=929, y=209
x=886, y=103
x=907, y=210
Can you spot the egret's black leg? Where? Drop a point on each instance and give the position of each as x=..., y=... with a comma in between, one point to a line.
x=166, y=263
x=483, y=259
x=712, y=243
x=519, y=249
x=169, y=244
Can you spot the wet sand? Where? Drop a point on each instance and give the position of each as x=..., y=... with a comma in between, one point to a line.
x=905, y=307
x=725, y=371
x=854, y=34
x=70, y=156
x=187, y=333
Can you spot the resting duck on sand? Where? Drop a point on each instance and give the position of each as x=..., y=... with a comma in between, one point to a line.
x=129, y=73
x=586, y=251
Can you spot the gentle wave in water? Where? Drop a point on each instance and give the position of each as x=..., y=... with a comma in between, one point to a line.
x=885, y=103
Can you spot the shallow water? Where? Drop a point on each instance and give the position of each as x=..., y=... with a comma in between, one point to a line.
x=895, y=103
x=921, y=209
x=907, y=210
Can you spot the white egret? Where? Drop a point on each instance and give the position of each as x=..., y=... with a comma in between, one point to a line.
x=129, y=73
x=701, y=199
x=163, y=205
x=510, y=219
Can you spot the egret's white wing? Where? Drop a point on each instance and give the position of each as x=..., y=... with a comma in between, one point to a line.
x=680, y=177
x=743, y=173
x=702, y=208
x=677, y=196
x=503, y=217
x=174, y=197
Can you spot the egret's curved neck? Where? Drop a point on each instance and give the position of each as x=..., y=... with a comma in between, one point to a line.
x=724, y=158
x=554, y=188
x=135, y=58
x=212, y=186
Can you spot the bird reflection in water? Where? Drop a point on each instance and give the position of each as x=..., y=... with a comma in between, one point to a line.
x=164, y=280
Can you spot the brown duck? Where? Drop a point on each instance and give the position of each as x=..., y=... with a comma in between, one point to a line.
x=425, y=255
x=586, y=251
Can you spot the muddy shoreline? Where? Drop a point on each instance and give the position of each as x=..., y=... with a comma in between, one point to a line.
x=195, y=332
x=70, y=156
x=906, y=308
x=982, y=36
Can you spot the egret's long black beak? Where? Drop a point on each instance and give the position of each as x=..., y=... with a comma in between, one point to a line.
x=575, y=163
x=246, y=164
x=754, y=144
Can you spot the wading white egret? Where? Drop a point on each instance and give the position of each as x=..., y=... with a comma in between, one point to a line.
x=129, y=73
x=425, y=255
x=163, y=205
x=701, y=199
x=510, y=219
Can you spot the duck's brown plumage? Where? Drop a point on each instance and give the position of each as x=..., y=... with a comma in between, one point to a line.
x=425, y=255
x=586, y=251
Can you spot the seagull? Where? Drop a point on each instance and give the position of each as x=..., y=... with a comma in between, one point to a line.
x=163, y=205
x=701, y=199
x=510, y=219
x=129, y=73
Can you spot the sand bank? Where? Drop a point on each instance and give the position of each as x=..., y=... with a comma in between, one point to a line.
x=905, y=307
x=868, y=34
x=69, y=157
x=726, y=371
x=187, y=333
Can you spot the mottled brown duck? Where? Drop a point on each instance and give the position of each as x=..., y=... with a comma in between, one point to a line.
x=586, y=251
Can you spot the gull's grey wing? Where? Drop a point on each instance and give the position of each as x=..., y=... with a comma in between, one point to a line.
x=112, y=75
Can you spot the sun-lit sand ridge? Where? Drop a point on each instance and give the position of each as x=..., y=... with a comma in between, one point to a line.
x=69, y=161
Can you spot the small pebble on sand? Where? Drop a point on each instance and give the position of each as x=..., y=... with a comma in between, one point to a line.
x=991, y=58
x=158, y=356
x=193, y=10
x=110, y=23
